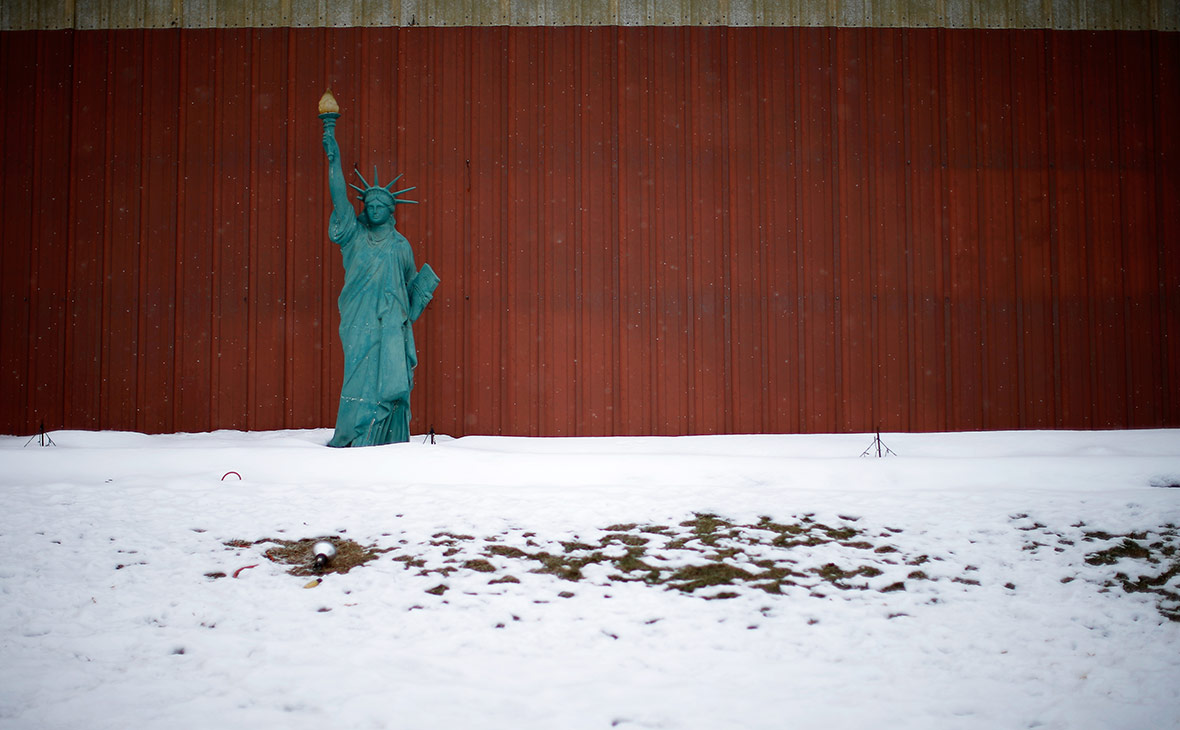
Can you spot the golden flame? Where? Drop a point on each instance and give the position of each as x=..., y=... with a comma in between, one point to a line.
x=328, y=103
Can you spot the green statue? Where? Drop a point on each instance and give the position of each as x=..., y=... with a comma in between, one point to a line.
x=383, y=295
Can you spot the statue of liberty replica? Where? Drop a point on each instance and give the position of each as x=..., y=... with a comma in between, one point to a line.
x=383, y=295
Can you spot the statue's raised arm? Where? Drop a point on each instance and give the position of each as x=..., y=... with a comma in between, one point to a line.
x=329, y=111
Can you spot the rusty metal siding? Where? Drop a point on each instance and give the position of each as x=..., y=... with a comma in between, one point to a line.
x=640, y=230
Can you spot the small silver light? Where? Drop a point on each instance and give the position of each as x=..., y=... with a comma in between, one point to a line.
x=324, y=551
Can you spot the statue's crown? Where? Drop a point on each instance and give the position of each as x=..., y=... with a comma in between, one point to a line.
x=378, y=188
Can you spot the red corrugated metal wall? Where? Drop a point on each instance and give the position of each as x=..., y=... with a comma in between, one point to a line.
x=639, y=230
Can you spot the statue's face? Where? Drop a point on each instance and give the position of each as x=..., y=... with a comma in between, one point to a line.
x=378, y=212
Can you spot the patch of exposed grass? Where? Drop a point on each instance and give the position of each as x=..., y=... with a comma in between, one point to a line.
x=632, y=562
x=411, y=561
x=625, y=539
x=573, y=546
x=706, y=528
x=839, y=577
x=449, y=537
x=505, y=551
x=765, y=523
x=1156, y=564
x=838, y=533
x=692, y=577
x=1128, y=548
x=298, y=554
x=565, y=566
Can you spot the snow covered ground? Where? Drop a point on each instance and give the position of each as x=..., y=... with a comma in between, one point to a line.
x=976, y=580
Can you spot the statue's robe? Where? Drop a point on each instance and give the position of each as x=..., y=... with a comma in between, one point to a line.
x=382, y=296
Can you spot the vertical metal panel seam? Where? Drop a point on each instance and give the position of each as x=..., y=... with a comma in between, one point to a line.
x=1164, y=388
x=944, y=243
x=689, y=143
x=642, y=300
x=941, y=236
x=35, y=228
x=676, y=272
x=745, y=274
x=70, y=302
x=770, y=74
x=577, y=423
x=755, y=193
x=800, y=294
x=837, y=414
x=543, y=294
x=1022, y=416
x=177, y=418
x=167, y=342
x=615, y=101
x=252, y=236
x=1054, y=237
x=953, y=298
x=507, y=41
x=163, y=344
x=215, y=291
x=106, y=304
x=981, y=210
x=726, y=246
x=682, y=227
x=15, y=354
x=1088, y=238
x=141, y=247
x=872, y=134
x=470, y=279
x=911, y=315
x=288, y=395
x=653, y=316
x=463, y=305
x=761, y=103
x=1128, y=333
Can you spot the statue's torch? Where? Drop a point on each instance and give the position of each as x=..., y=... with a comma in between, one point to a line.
x=329, y=112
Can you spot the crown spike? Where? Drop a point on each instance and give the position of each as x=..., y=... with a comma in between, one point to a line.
x=404, y=191
x=376, y=182
x=397, y=201
x=391, y=182
x=362, y=177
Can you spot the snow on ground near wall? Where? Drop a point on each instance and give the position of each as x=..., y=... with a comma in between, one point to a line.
x=963, y=596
